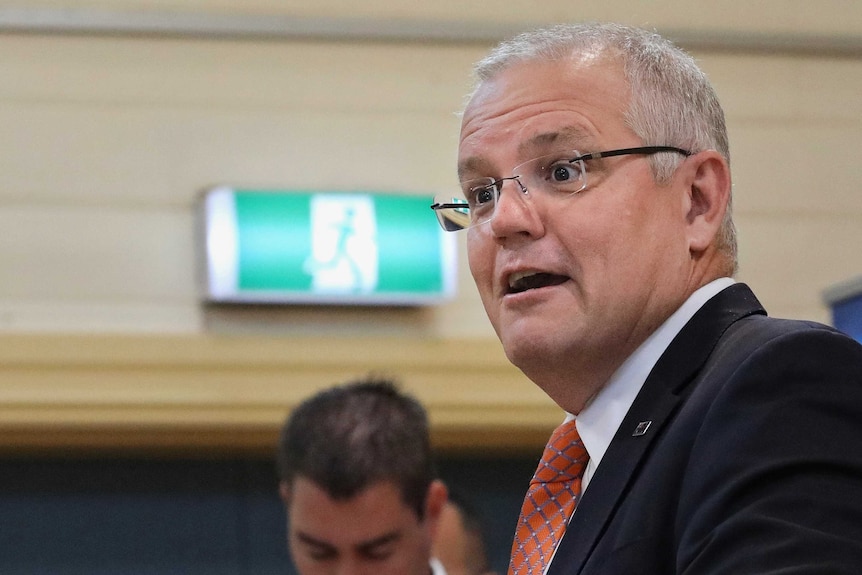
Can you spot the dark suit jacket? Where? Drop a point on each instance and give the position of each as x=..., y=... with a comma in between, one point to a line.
x=752, y=462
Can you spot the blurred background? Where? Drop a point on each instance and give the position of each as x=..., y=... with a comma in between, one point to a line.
x=138, y=421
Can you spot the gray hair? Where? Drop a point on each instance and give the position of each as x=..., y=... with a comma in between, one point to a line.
x=672, y=102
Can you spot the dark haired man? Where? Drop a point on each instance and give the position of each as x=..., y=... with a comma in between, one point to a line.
x=358, y=483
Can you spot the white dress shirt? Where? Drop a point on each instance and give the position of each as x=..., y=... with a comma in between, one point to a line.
x=437, y=567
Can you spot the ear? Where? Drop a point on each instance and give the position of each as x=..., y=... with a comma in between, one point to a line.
x=437, y=497
x=284, y=491
x=707, y=180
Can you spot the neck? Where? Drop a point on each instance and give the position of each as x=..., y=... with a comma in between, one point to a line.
x=572, y=393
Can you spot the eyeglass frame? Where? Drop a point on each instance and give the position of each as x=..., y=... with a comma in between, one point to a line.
x=497, y=184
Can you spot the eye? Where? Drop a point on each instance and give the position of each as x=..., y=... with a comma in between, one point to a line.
x=478, y=196
x=486, y=194
x=320, y=553
x=559, y=173
x=380, y=551
x=381, y=554
x=564, y=171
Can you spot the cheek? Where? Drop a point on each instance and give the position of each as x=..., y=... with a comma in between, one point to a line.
x=480, y=258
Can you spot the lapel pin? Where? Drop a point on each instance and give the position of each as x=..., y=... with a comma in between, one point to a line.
x=641, y=429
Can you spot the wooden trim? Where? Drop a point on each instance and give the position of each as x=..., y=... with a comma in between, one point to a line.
x=212, y=393
x=213, y=26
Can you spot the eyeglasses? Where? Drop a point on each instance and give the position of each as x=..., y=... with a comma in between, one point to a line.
x=559, y=174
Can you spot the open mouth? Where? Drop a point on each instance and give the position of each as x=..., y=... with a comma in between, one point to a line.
x=522, y=282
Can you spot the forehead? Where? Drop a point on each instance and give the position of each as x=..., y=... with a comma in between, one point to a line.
x=533, y=106
x=377, y=510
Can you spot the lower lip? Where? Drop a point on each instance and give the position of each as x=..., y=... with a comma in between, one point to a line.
x=530, y=295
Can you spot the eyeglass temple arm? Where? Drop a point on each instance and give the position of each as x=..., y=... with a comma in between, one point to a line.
x=638, y=150
x=439, y=206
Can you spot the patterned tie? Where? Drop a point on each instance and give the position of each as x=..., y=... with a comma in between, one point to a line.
x=550, y=501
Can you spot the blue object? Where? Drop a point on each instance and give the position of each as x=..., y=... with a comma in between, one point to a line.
x=845, y=300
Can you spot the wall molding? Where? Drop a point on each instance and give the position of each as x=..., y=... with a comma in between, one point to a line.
x=279, y=27
x=211, y=393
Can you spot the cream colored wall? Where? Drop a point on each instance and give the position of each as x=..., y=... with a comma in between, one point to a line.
x=107, y=140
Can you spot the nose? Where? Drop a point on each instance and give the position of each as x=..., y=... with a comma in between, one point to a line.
x=516, y=212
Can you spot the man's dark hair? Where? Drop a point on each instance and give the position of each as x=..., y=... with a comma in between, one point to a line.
x=351, y=436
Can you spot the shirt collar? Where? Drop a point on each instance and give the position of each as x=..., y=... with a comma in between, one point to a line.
x=599, y=420
x=437, y=567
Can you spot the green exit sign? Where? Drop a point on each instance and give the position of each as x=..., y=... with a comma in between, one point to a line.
x=266, y=246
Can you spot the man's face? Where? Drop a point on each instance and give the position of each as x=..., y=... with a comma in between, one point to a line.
x=374, y=532
x=611, y=259
x=459, y=549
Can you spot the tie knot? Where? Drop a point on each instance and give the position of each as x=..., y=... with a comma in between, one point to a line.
x=565, y=456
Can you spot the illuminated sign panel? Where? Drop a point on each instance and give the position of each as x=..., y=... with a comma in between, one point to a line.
x=337, y=248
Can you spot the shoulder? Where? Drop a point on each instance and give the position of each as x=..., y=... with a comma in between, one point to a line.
x=761, y=359
x=792, y=348
x=778, y=416
x=779, y=390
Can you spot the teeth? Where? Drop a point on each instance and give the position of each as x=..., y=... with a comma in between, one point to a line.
x=518, y=276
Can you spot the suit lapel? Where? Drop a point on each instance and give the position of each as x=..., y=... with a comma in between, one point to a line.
x=652, y=409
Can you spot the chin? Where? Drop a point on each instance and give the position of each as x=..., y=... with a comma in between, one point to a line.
x=542, y=346
x=523, y=349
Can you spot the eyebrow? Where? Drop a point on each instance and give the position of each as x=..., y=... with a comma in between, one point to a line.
x=363, y=546
x=570, y=136
x=367, y=546
x=573, y=137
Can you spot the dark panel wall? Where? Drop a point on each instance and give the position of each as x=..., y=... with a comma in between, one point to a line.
x=170, y=516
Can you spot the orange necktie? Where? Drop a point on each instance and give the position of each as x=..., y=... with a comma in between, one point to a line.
x=550, y=501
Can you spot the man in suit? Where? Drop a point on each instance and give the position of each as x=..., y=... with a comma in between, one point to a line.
x=701, y=436
x=358, y=483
